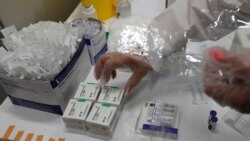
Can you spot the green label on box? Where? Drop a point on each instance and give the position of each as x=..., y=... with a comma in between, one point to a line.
x=81, y=100
x=106, y=105
x=90, y=83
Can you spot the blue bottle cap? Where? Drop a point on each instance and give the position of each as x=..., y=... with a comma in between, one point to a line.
x=213, y=113
x=214, y=119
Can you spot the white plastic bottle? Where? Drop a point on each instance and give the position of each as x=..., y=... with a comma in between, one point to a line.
x=123, y=8
x=89, y=11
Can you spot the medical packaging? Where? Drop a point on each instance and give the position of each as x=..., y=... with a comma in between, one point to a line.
x=102, y=119
x=158, y=119
x=112, y=95
x=50, y=90
x=212, y=123
x=95, y=37
x=240, y=122
x=88, y=91
x=76, y=113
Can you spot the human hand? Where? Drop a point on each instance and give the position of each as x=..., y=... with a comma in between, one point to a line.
x=227, y=79
x=108, y=63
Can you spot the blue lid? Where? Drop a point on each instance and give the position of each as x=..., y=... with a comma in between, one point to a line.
x=214, y=119
x=213, y=113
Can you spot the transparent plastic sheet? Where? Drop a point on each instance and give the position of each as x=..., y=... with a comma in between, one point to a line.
x=178, y=44
x=129, y=35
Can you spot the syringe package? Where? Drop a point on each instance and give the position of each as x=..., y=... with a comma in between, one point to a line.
x=158, y=119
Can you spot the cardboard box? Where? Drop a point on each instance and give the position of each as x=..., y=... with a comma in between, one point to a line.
x=102, y=119
x=76, y=113
x=112, y=95
x=50, y=96
x=88, y=91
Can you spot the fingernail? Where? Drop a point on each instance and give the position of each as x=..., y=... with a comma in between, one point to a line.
x=217, y=54
x=103, y=82
x=126, y=93
x=95, y=76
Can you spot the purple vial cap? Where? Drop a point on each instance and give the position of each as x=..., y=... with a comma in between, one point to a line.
x=213, y=113
x=214, y=119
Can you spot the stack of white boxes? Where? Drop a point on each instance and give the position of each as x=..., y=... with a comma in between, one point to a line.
x=94, y=108
x=76, y=113
x=102, y=119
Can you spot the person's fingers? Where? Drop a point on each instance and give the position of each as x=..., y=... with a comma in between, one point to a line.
x=114, y=74
x=239, y=98
x=244, y=110
x=212, y=74
x=111, y=65
x=216, y=91
x=136, y=77
x=238, y=65
x=235, y=96
x=99, y=65
x=133, y=81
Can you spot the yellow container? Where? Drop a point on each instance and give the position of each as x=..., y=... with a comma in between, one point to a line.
x=105, y=9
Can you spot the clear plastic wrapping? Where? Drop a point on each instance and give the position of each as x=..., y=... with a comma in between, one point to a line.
x=129, y=35
x=179, y=39
x=39, y=51
x=195, y=40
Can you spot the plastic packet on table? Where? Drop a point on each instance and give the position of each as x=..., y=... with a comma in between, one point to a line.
x=158, y=118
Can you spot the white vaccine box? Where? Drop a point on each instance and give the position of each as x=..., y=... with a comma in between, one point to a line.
x=102, y=119
x=76, y=113
x=112, y=95
x=241, y=41
x=88, y=91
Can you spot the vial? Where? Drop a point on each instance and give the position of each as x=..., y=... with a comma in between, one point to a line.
x=212, y=113
x=123, y=8
x=212, y=123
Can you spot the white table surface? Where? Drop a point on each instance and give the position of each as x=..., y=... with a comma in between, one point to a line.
x=192, y=126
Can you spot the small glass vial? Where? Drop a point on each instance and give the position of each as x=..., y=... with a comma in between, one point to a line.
x=123, y=8
x=212, y=123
